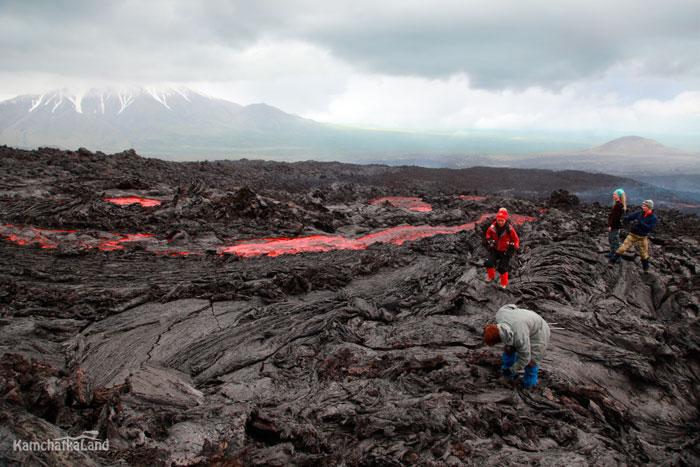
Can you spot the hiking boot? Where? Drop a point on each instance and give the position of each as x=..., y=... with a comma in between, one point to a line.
x=503, y=287
x=614, y=259
x=488, y=279
x=504, y=280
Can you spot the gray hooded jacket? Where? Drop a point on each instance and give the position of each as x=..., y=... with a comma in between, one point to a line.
x=526, y=331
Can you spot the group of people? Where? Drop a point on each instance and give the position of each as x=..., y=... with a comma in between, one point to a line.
x=642, y=223
x=502, y=240
x=524, y=333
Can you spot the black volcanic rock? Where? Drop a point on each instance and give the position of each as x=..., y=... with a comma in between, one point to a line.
x=562, y=198
x=367, y=356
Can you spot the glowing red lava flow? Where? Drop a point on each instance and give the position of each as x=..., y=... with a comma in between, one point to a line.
x=413, y=204
x=51, y=238
x=317, y=243
x=26, y=236
x=255, y=247
x=127, y=200
x=108, y=245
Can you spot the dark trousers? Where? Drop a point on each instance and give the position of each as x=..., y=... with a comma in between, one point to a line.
x=497, y=259
x=614, y=239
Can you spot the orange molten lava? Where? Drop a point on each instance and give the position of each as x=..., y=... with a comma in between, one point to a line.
x=254, y=247
x=128, y=200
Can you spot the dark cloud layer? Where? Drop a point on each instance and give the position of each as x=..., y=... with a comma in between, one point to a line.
x=506, y=45
x=529, y=43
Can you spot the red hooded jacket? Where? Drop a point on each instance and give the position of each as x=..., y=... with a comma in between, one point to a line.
x=503, y=236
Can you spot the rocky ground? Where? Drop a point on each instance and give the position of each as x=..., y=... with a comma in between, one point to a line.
x=287, y=314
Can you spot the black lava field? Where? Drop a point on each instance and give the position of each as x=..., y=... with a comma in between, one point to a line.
x=238, y=313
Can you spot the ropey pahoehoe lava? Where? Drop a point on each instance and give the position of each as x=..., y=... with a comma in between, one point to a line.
x=259, y=313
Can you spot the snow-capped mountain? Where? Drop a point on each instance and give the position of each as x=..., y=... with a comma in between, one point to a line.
x=176, y=123
x=153, y=121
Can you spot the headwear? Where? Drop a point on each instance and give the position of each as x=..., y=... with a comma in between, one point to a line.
x=649, y=203
x=492, y=335
x=619, y=192
x=502, y=214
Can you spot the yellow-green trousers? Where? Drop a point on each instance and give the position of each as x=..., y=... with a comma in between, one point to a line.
x=634, y=239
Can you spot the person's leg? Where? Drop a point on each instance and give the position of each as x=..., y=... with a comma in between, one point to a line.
x=503, y=263
x=643, y=247
x=614, y=240
x=530, y=377
x=626, y=245
x=490, y=264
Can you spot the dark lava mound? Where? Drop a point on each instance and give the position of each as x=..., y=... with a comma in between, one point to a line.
x=144, y=324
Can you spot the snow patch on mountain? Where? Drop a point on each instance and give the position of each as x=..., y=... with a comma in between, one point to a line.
x=159, y=96
x=125, y=100
x=97, y=100
x=36, y=102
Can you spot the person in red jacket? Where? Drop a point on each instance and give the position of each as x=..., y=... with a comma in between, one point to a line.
x=502, y=243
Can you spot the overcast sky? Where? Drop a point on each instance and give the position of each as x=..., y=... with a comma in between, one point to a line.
x=624, y=65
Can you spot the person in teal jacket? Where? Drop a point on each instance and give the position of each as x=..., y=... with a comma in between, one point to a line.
x=525, y=335
x=643, y=222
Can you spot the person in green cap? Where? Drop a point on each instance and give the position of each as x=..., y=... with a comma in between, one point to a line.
x=614, y=221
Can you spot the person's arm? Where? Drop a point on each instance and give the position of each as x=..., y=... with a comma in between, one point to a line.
x=631, y=217
x=514, y=238
x=491, y=237
x=648, y=222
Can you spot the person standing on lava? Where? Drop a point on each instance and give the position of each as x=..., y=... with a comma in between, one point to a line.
x=502, y=241
x=643, y=222
x=614, y=224
x=525, y=335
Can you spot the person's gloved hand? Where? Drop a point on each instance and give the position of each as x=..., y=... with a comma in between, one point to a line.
x=492, y=243
x=510, y=251
x=507, y=373
x=508, y=359
x=530, y=378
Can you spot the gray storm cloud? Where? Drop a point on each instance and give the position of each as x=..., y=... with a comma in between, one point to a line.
x=504, y=45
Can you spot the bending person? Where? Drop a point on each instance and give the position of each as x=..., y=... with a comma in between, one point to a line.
x=525, y=335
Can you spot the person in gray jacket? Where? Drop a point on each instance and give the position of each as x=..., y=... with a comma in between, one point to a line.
x=525, y=335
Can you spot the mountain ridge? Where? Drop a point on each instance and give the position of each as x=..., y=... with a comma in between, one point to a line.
x=181, y=124
x=157, y=120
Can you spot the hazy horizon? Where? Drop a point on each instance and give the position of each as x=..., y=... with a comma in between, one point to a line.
x=531, y=141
